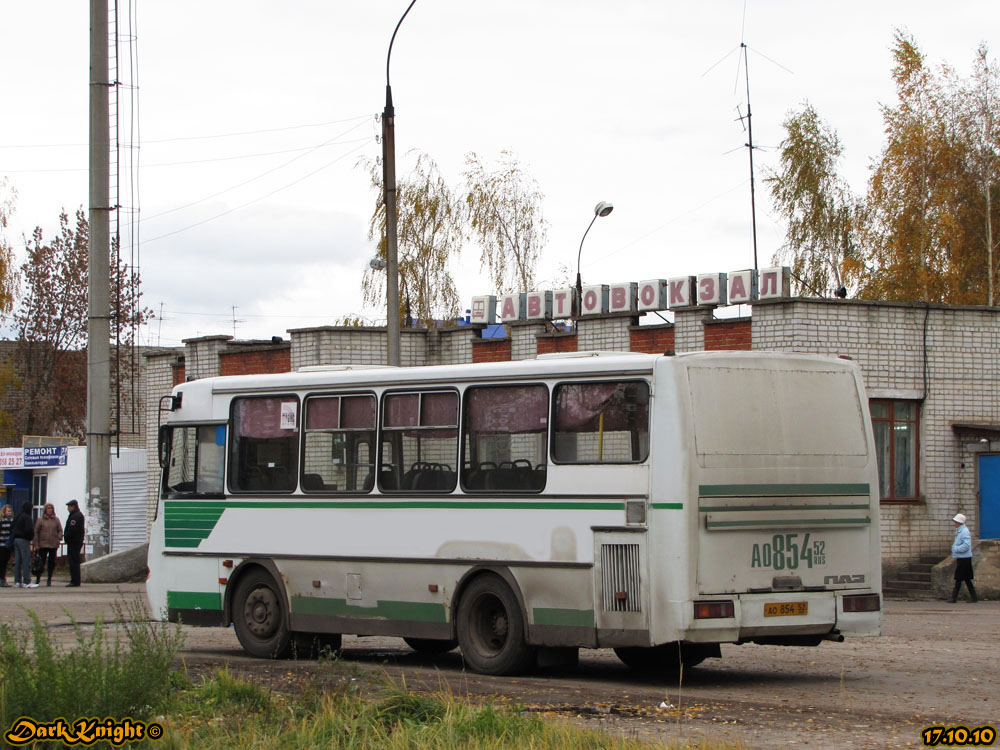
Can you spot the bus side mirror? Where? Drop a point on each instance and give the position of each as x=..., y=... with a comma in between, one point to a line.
x=164, y=446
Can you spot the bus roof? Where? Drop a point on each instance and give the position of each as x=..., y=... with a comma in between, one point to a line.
x=575, y=364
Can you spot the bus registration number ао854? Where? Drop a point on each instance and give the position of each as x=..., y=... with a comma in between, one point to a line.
x=782, y=609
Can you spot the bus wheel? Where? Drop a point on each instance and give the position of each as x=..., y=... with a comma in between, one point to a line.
x=259, y=617
x=491, y=628
x=431, y=645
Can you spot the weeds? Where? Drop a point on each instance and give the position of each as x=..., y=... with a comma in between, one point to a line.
x=121, y=671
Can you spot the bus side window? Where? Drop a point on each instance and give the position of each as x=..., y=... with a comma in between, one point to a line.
x=339, y=433
x=601, y=423
x=419, y=442
x=264, y=444
x=503, y=438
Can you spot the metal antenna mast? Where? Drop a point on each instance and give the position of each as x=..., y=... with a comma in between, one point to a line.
x=750, y=148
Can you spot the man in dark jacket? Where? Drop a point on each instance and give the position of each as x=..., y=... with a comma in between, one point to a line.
x=74, y=541
x=23, y=532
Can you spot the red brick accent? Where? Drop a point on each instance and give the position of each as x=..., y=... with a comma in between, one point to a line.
x=651, y=339
x=491, y=350
x=178, y=374
x=728, y=334
x=556, y=344
x=256, y=361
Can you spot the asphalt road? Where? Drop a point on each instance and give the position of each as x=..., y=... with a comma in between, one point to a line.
x=936, y=663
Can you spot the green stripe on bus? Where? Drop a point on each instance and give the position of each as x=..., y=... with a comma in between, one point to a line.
x=789, y=522
x=667, y=506
x=741, y=508
x=723, y=490
x=171, y=541
x=194, y=600
x=385, y=610
x=579, y=618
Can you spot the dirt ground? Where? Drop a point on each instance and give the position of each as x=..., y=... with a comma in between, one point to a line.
x=936, y=663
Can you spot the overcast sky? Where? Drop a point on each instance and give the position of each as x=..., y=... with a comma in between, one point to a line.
x=252, y=116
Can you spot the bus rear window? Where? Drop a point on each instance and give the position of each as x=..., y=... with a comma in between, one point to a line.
x=195, y=461
x=601, y=423
x=264, y=446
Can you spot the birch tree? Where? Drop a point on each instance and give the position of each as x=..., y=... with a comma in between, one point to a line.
x=430, y=235
x=504, y=206
x=816, y=203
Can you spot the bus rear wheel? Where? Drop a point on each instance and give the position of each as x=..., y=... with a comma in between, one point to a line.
x=491, y=628
x=259, y=616
x=431, y=645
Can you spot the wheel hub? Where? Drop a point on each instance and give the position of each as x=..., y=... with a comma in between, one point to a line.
x=260, y=611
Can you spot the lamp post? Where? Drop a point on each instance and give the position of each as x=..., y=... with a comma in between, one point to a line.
x=389, y=197
x=601, y=209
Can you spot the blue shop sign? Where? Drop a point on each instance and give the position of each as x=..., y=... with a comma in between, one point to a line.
x=37, y=458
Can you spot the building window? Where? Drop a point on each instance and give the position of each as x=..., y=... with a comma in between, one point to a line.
x=897, y=444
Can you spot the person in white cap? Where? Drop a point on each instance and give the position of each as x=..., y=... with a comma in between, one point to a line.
x=961, y=550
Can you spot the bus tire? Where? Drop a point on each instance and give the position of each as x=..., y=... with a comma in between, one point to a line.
x=259, y=616
x=491, y=628
x=431, y=645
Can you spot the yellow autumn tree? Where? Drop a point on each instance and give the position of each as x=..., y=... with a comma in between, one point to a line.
x=929, y=196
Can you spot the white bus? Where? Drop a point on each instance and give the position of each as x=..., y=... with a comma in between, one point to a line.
x=657, y=505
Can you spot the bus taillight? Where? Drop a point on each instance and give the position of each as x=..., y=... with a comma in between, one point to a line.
x=712, y=610
x=862, y=603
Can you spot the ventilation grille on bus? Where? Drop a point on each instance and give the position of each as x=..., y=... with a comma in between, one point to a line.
x=620, y=569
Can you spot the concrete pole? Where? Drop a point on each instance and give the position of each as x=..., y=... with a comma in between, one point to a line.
x=98, y=500
x=391, y=254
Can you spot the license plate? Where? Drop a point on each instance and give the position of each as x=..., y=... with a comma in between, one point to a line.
x=782, y=609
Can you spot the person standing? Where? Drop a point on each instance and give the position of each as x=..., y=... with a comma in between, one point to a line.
x=48, y=535
x=23, y=532
x=74, y=541
x=961, y=550
x=6, y=542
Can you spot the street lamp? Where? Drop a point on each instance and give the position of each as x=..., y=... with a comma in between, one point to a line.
x=389, y=188
x=601, y=209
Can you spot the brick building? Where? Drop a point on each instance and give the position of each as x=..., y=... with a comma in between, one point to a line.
x=932, y=373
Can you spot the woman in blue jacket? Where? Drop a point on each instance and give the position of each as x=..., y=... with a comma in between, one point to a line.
x=961, y=550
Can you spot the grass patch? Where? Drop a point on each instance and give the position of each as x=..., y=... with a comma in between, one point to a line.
x=341, y=718
x=121, y=670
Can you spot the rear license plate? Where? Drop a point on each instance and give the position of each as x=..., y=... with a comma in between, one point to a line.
x=781, y=609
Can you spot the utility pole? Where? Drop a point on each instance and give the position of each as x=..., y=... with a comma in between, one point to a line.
x=389, y=197
x=98, y=493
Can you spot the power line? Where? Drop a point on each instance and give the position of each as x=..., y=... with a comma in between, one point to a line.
x=196, y=137
x=252, y=179
x=255, y=200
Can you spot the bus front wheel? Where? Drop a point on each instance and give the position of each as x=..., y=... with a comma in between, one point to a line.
x=491, y=628
x=259, y=616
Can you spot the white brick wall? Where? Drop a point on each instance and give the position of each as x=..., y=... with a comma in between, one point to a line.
x=603, y=334
x=962, y=376
x=689, y=329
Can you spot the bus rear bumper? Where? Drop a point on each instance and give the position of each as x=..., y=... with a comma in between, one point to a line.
x=813, y=615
